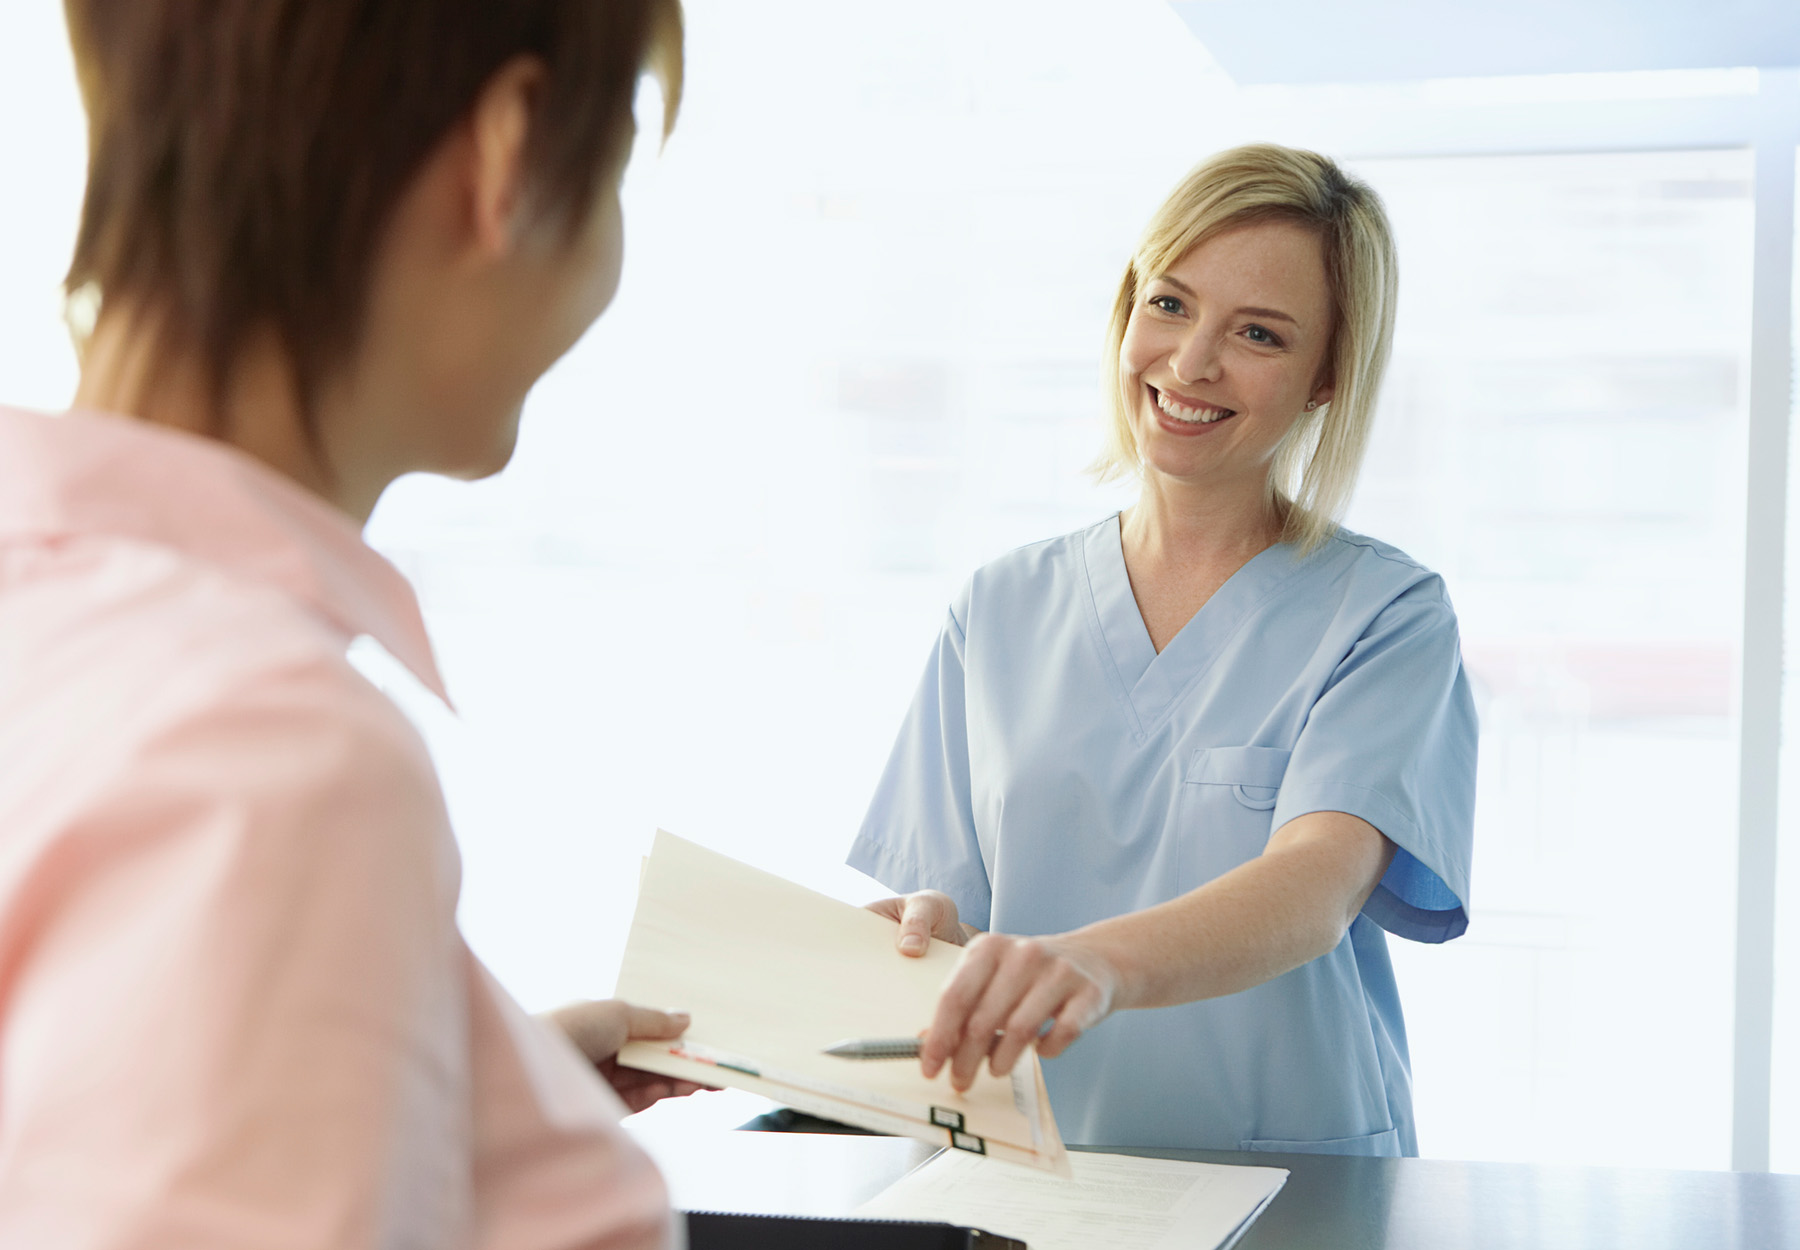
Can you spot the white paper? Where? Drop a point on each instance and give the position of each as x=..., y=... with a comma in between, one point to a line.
x=1112, y=1200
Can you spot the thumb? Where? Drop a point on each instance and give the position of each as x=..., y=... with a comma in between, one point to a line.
x=649, y=1024
x=915, y=925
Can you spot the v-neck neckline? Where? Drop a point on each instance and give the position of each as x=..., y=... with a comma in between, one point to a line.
x=1148, y=680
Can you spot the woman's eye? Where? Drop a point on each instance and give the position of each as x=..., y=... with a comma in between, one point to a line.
x=1167, y=303
x=1257, y=334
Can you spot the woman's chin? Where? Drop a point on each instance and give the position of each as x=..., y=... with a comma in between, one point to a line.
x=1179, y=460
x=481, y=452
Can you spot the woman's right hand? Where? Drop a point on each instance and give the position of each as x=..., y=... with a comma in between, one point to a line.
x=922, y=915
x=600, y=1029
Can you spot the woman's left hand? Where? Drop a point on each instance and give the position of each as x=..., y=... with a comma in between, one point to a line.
x=1003, y=994
x=599, y=1029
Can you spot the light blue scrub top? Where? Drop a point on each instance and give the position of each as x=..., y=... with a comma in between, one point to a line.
x=1055, y=770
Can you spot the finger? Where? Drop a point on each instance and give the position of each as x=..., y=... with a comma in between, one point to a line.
x=649, y=1024
x=640, y=1097
x=1033, y=1012
x=916, y=921
x=597, y=1029
x=1020, y=970
x=1079, y=1014
x=887, y=908
x=958, y=998
x=627, y=1081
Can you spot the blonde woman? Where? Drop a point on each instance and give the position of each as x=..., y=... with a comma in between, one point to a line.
x=1188, y=764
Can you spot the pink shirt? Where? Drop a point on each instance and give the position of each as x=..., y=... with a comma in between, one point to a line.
x=235, y=1009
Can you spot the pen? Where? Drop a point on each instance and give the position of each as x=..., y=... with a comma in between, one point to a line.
x=876, y=1048
x=891, y=1047
x=716, y=1058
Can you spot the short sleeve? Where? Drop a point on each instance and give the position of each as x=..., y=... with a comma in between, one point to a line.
x=1392, y=740
x=919, y=833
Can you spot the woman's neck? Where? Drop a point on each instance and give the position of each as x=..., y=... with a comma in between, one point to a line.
x=125, y=369
x=1174, y=526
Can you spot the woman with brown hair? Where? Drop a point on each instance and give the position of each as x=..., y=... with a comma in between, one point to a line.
x=326, y=243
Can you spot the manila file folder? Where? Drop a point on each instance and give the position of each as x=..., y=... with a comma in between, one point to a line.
x=773, y=973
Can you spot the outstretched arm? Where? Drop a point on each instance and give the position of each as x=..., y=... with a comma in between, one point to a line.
x=1286, y=907
x=1283, y=909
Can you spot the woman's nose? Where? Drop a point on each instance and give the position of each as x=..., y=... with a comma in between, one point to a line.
x=1196, y=358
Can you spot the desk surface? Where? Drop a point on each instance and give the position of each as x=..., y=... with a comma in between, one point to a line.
x=1329, y=1201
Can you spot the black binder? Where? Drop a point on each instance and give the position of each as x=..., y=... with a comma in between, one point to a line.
x=716, y=1230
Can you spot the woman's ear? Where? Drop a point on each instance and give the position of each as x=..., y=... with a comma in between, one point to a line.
x=499, y=133
x=1323, y=389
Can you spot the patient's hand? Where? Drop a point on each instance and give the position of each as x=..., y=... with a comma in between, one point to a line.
x=599, y=1029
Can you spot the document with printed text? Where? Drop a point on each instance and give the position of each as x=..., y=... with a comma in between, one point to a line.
x=1110, y=1200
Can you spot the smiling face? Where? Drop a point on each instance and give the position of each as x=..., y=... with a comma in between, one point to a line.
x=1222, y=353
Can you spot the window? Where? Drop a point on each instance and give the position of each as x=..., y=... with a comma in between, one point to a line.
x=1563, y=437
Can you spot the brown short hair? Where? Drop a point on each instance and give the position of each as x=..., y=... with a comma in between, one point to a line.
x=245, y=155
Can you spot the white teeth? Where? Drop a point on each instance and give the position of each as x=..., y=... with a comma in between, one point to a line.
x=1194, y=416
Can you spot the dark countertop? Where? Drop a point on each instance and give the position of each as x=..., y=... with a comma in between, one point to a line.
x=1329, y=1201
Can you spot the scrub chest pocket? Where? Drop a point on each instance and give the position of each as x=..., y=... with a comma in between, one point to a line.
x=1227, y=803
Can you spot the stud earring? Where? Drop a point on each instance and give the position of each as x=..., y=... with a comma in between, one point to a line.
x=1311, y=404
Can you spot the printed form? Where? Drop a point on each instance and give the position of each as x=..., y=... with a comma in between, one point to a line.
x=1112, y=1200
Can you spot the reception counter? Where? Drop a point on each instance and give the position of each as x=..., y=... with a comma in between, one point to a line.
x=1328, y=1202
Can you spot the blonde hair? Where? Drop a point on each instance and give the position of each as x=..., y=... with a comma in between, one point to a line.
x=1315, y=466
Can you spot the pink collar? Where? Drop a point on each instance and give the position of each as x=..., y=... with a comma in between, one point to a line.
x=95, y=473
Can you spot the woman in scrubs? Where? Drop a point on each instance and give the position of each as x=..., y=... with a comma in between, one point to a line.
x=1187, y=766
